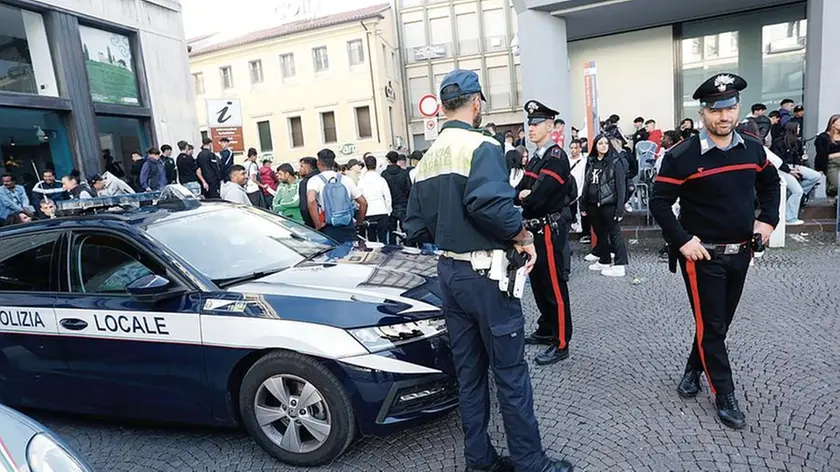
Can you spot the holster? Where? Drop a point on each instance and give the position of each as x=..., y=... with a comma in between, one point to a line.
x=673, y=254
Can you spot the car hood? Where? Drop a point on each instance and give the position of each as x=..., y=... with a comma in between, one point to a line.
x=352, y=286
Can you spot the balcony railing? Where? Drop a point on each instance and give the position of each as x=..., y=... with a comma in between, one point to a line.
x=431, y=51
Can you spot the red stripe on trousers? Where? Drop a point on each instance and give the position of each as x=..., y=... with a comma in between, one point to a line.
x=561, y=305
x=593, y=238
x=691, y=270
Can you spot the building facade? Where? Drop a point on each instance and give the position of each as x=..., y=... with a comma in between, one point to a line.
x=438, y=36
x=331, y=82
x=650, y=55
x=82, y=77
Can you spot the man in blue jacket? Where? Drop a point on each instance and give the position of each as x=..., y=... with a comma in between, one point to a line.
x=463, y=203
x=13, y=199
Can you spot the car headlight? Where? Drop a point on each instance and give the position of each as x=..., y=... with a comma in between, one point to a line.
x=380, y=338
x=43, y=454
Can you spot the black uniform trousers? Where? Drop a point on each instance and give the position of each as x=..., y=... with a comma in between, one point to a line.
x=714, y=289
x=487, y=331
x=550, y=289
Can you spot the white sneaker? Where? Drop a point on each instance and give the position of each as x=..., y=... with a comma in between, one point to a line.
x=591, y=258
x=598, y=266
x=614, y=271
x=795, y=223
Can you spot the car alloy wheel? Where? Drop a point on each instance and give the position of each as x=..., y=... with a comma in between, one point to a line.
x=292, y=413
x=296, y=409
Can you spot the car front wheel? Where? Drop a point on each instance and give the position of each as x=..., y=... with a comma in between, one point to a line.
x=296, y=409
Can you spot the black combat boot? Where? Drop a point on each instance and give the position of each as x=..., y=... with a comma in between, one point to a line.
x=728, y=411
x=558, y=466
x=690, y=384
x=551, y=355
x=502, y=464
x=537, y=338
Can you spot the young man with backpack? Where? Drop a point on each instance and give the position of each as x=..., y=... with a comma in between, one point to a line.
x=330, y=200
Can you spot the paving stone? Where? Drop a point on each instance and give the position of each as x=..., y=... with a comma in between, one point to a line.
x=612, y=406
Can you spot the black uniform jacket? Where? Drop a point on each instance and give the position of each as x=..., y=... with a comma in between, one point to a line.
x=717, y=191
x=546, y=178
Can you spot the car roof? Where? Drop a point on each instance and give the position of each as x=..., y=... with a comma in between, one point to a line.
x=140, y=218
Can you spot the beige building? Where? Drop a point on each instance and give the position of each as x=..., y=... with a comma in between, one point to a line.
x=332, y=81
x=438, y=36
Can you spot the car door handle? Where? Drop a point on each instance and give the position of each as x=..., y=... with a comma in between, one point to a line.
x=73, y=324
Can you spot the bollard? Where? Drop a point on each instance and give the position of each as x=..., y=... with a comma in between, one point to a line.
x=777, y=238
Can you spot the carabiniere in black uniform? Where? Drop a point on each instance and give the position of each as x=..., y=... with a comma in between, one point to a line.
x=716, y=187
x=548, y=177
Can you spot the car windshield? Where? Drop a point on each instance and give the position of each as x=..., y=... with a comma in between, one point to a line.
x=236, y=242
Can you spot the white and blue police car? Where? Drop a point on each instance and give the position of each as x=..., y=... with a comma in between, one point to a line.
x=180, y=310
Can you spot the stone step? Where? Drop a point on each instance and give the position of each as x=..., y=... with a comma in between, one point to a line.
x=810, y=227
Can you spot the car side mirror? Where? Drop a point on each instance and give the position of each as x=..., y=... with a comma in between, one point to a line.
x=151, y=288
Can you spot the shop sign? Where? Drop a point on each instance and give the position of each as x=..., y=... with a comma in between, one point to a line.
x=347, y=149
x=233, y=133
x=431, y=51
x=110, y=66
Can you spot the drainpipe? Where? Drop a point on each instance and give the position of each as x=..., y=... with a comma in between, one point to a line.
x=372, y=82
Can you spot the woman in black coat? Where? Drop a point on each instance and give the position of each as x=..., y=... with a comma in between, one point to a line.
x=602, y=201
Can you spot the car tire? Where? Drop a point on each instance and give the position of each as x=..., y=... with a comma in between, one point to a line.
x=300, y=379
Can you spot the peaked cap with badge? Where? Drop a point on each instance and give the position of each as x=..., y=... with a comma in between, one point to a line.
x=537, y=112
x=720, y=91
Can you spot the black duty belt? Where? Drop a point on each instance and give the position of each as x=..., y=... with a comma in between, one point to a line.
x=533, y=224
x=727, y=249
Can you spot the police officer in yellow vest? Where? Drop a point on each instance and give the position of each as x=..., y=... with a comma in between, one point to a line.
x=462, y=202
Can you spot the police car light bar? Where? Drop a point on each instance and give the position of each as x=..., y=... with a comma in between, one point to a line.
x=172, y=196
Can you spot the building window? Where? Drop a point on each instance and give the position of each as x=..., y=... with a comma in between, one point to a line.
x=495, y=33
x=385, y=60
x=417, y=87
x=411, y=3
x=287, y=65
x=110, y=66
x=499, y=78
x=395, y=67
x=441, y=32
x=468, y=42
x=518, y=69
x=198, y=81
x=328, y=127
x=34, y=138
x=205, y=134
x=320, y=59
x=355, y=52
x=415, y=39
x=122, y=136
x=227, y=77
x=255, y=67
x=25, y=60
x=264, y=132
x=363, y=122
x=296, y=132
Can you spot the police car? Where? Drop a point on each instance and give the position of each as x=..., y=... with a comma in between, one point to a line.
x=28, y=446
x=181, y=310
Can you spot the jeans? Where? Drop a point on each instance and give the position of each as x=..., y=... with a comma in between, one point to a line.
x=796, y=190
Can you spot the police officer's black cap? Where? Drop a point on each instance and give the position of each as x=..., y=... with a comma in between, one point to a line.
x=720, y=91
x=537, y=112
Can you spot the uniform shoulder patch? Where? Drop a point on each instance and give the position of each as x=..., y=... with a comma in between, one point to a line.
x=556, y=151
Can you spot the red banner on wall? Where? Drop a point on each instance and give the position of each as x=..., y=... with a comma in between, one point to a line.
x=590, y=82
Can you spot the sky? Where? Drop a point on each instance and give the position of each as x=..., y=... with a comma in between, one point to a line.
x=240, y=16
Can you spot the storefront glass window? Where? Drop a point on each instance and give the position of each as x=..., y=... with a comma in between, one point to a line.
x=766, y=48
x=120, y=137
x=32, y=141
x=110, y=66
x=25, y=60
x=783, y=61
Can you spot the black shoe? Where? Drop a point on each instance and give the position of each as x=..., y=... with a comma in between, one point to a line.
x=552, y=355
x=690, y=384
x=502, y=464
x=728, y=411
x=537, y=338
x=558, y=466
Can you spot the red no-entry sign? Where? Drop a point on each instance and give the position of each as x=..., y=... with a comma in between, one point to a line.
x=428, y=105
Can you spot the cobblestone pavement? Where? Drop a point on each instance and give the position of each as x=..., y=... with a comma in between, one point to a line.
x=612, y=405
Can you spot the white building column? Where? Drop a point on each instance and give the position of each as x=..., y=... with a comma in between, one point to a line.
x=544, y=59
x=822, y=93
